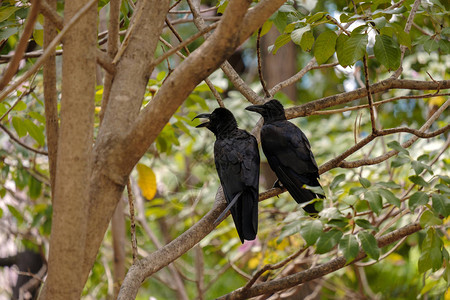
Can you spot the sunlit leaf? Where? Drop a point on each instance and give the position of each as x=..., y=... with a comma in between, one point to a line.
x=35, y=132
x=19, y=126
x=146, y=181
x=429, y=219
x=307, y=41
x=365, y=224
x=297, y=34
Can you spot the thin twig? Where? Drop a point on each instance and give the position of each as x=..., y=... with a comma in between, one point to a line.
x=261, y=77
x=132, y=221
x=29, y=91
x=318, y=271
x=369, y=96
x=273, y=267
x=15, y=139
x=21, y=46
x=47, y=52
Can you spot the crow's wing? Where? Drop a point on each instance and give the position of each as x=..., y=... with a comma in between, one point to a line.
x=237, y=163
x=289, y=155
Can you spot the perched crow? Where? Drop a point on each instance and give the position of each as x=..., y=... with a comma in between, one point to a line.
x=288, y=152
x=237, y=162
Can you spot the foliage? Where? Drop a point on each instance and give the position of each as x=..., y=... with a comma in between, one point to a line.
x=178, y=181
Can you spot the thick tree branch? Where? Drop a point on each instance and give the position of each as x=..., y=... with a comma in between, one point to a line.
x=318, y=271
x=49, y=12
x=379, y=87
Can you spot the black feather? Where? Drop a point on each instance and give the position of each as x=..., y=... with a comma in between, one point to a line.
x=237, y=159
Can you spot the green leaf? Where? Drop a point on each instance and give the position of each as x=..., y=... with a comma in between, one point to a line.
x=35, y=132
x=429, y=219
x=349, y=247
x=387, y=51
x=396, y=146
x=37, y=116
x=420, y=166
x=281, y=41
x=375, y=201
x=400, y=161
x=431, y=45
x=403, y=38
x=336, y=180
x=324, y=46
x=16, y=214
x=369, y=244
x=364, y=182
x=311, y=231
x=307, y=41
x=389, y=185
x=266, y=27
x=297, y=34
x=442, y=188
x=19, y=126
x=34, y=188
x=340, y=53
x=316, y=17
x=20, y=106
x=424, y=262
x=353, y=50
x=38, y=37
x=6, y=12
x=328, y=240
x=389, y=196
x=5, y=33
x=417, y=199
x=365, y=224
x=418, y=180
x=444, y=45
x=441, y=204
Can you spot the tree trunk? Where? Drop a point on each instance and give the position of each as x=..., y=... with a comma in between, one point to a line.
x=74, y=157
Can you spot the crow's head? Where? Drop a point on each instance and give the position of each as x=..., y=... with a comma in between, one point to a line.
x=220, y=121
x=271, y=110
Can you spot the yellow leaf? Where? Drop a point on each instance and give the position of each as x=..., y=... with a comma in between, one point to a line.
x=146, y=181
x=439, y=100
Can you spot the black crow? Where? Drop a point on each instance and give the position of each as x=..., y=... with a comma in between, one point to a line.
x=236, y=157
x=288, y=152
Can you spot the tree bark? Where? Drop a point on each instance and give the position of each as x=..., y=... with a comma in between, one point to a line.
x=74, y=157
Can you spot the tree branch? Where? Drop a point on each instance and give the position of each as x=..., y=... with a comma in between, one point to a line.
x=15, y=139
x=318, y=271
x=21, y=46
x=47, y=52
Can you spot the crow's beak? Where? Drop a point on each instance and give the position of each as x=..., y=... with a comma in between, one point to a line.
x=204, y=116
x=256, y=108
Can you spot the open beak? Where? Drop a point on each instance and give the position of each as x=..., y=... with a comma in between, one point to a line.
x=256, y=108
x=204, y=116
